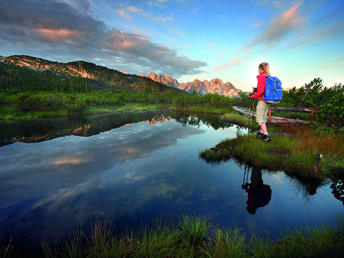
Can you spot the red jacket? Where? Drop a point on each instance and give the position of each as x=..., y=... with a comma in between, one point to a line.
x=260, y=86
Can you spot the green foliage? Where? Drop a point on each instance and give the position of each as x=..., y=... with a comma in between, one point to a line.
x=332, y=111
x=314, y=94
x=203, y=101
x=27, y=79
x=174, y=241
x=193, y=230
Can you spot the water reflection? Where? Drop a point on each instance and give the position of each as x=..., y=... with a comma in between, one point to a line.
x=131, y=174
x=259, y=194
x=39, y=130
x=338, y=190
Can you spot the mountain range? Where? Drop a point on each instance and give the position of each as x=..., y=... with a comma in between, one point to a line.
x=120, y=79
x=203, y=87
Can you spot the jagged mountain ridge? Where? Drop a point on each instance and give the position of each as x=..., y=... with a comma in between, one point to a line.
x=213, y=86
x=91, y=71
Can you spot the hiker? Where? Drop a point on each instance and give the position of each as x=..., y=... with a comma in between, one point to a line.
x=259, y=194
x=262, y=106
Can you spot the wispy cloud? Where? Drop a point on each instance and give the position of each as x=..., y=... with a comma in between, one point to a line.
x=58, y=34
x=235, y=61
x=56, y=29
x=83, y=5
x=279, y=28
x=331, y=66
x=338, y=59
x=321, y=34
x=127, y=10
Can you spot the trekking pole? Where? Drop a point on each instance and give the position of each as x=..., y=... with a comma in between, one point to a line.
x=249, y=115
x=243, y=180
x=253, y=115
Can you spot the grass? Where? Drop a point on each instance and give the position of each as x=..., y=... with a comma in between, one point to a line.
x=191, y=237
x=12, y=113
x=292, y=149
x=236, y=118
x=201, y=109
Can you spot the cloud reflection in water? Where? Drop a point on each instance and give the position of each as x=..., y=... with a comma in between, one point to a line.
x=63, y=180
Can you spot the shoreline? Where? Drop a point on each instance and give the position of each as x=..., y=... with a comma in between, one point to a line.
x=92, y=110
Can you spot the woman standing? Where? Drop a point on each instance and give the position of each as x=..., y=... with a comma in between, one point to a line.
x=262, y=106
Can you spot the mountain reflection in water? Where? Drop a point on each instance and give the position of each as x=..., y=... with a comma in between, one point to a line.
x=131, y=174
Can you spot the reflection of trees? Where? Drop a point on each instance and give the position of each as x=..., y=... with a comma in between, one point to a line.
x=306, y=188
x=210, y=120
x=338, y=190
x=47, y=129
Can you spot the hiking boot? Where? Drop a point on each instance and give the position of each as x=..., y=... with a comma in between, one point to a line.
x=259, y=135
x=266, y=138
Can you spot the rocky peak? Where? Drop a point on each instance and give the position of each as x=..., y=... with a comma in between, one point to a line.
x=152, y=76
x=164, y=79
x=213, y=86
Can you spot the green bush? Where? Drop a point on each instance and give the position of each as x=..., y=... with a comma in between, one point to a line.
x=332, y=112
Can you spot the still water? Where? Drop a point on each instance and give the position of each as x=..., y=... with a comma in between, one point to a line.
x=129, y=169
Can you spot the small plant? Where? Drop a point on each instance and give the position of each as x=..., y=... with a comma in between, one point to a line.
x=193, y=230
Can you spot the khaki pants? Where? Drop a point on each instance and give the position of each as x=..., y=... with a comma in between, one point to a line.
x=262, y=112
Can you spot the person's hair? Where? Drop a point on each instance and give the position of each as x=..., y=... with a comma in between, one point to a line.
x=265, y=67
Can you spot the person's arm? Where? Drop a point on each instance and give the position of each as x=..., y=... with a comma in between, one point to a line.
x=260, y=87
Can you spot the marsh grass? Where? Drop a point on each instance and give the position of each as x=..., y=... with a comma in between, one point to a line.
x=200, y=109
x=193, y=230
x=236, y=118
x=315, y=241
x=292, y=149
x=12, y=113
x=191, y=237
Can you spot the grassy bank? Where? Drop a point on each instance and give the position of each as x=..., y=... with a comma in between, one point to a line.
x=292, y=149
x=236, y=118
x=201, y=109
x=191, y=237
x=11, y=113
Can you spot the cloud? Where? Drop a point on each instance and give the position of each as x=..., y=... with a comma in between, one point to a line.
x=125, y=11
x=331, y=66
x=338, y=59
x=321, y=34
x=83, y=5
x=58, y=34
x=222, y=53
x=235, y=61
x=279, y=28
x=58, y=31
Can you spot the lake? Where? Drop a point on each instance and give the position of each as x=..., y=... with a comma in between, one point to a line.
x=129, y=169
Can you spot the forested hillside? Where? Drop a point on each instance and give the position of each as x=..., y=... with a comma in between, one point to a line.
x=31, y=73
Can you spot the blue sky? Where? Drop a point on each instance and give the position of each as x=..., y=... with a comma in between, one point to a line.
x=187, y=40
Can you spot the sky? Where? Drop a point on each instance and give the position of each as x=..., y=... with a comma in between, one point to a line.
x=184, y=39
